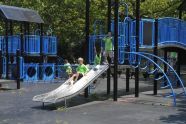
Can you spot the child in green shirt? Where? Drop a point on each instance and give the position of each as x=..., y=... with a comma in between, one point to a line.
x=108, y=45
x=97, y=59
x=67, y=67
x=81, y=71
x=98, y=52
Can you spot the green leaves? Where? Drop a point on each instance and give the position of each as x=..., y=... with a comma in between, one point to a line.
x=67, y=17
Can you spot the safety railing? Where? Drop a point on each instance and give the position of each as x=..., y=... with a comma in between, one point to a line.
x=32, y=44
x=120, y=27
x=171, y=31
x=49, y=45
x=14, y=43
x=121, y=49
x=182, y=32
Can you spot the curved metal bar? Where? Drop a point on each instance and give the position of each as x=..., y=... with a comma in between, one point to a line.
x=159, y=78
x=50, y=30
x=143, y=68
x=178, y=77
x=135, y=66
x=127, y=19
x=37, y=32
x=153, y=71
x=146, y=57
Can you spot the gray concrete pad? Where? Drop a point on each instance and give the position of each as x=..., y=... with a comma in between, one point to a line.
x=17, y=107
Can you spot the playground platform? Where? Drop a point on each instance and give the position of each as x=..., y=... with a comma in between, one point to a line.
x=16, y=106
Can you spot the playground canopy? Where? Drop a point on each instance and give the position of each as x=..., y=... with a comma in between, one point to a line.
x=20, y=14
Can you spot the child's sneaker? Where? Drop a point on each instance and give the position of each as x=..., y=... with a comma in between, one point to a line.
x=71, y=82
x=95, y=69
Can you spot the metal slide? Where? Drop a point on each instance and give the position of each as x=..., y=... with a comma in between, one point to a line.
x=67, y=91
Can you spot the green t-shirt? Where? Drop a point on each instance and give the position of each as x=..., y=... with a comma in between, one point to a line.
x=68, y=68
x=108, y=43
x=82, y=69
x=173, y=55
x=97, y=59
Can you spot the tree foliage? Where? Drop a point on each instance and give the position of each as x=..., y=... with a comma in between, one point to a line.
x=67, y=17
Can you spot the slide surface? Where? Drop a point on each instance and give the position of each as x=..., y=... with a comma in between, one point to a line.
x=66, y=91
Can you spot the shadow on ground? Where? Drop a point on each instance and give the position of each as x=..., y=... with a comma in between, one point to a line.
x=180, y=116
x=80, y=100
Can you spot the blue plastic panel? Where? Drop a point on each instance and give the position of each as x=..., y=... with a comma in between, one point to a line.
x=31, y=72
x=92, y=40
x=50, y=45
x=121, y=44
x=2, y=44
x=22, y=74
x=132, y=37
x=171, y=30
x=91, y=49
x=4, y=67
x=32, y=44
x=121, y=27
x=61, y=72
x=182, y=32
x=13, y=44
x=48, y=71
x=147, y=33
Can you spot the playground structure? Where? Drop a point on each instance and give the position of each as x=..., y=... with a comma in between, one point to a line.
x=131, y=39
x=28, y=49
x=135, y=39
x=24, y=55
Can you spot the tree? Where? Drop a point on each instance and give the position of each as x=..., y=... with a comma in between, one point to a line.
x=67, y=17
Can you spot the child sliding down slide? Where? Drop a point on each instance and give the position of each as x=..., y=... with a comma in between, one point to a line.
x=81, y=71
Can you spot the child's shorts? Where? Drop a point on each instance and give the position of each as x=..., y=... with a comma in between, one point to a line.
x=80, y=76
x=109, y=53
